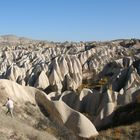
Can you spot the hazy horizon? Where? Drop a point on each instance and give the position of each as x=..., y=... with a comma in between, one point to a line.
x=26, y=37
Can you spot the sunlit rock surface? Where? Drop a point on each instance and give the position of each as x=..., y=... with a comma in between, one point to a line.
x=77, y=82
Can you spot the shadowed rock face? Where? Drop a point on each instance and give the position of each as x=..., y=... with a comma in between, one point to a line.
x=30, y=62
x=92, y=78
x=26, y=61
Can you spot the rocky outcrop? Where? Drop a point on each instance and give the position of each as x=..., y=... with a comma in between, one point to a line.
x=59, y=111
x=64, y=115
x=75, y=76
x=42, y=82
x=65, y=65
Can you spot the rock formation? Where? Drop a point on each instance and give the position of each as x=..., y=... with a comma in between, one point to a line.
x=71, y=80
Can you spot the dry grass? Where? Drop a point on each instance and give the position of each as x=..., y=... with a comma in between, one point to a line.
x=125, y=126
x=127, y=132
x=138, y=98
x=93, y=85
x=29, y=123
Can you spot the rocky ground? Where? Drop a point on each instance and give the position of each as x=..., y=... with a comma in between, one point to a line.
x=128, y=132
x=125, y=124
x=29, y=123
x=75, y=86
x=26, y=124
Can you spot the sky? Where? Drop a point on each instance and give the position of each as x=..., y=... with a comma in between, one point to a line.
x=71, y=20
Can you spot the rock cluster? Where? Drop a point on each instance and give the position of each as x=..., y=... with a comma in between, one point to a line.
x=92, y=78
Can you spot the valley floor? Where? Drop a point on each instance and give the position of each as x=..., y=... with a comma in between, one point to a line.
x=124, y=132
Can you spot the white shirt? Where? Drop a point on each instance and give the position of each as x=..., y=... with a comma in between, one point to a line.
x=9, y=104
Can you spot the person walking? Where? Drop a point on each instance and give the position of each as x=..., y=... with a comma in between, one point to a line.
x=10, y=105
